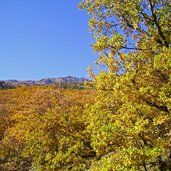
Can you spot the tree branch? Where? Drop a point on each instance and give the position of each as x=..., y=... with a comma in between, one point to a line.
x=124, y=47
x=157, y=24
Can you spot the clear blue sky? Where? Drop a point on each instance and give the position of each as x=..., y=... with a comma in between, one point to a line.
x=43, y=38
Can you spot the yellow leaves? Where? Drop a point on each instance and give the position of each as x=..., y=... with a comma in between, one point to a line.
x=103, y=85
x=162, y=61
x=161, y=119
x=100, y=44
x=116, y=41
x=48, y=127
x=127, y=114
x=130, y=117
x=125, y=125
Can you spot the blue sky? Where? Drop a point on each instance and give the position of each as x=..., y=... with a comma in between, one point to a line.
x=42, y=38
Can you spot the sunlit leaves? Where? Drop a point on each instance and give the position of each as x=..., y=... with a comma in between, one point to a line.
x=48, y=130
x=130, y=119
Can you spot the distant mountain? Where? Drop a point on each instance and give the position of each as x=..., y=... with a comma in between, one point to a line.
x=45, y=81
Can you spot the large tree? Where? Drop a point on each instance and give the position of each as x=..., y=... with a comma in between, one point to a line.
x=131, y=120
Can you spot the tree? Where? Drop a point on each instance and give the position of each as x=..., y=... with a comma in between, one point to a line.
x=46, y=129
x=130, y=120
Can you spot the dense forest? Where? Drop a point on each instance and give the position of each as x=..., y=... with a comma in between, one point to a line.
x=120, y=121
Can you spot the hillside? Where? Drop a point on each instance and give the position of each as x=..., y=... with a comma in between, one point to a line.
x=62, y=82
x=43, y=121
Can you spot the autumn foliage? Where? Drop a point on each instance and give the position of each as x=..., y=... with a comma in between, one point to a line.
x=130, y=120
x=121, y=123
x=43, y=128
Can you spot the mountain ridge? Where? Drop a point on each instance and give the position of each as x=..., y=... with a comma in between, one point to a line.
x=45, y=81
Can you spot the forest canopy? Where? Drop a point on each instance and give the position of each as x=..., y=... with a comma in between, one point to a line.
x=123, y=123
